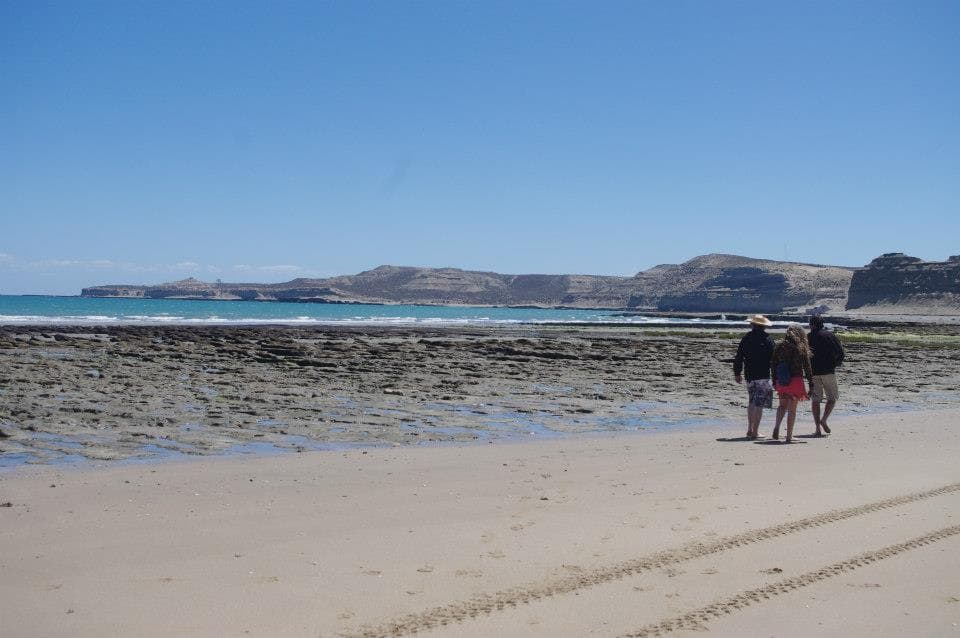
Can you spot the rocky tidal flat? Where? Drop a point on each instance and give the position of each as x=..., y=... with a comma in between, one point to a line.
x=102, y=393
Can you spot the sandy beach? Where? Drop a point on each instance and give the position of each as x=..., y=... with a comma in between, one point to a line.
x=629, y=535
x=520, y=482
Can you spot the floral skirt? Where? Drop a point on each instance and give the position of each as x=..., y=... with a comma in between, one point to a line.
x=795, y=388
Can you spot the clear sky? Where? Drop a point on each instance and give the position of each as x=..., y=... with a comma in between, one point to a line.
x=260, y=141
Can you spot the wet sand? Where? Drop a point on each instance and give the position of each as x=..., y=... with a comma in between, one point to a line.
x=71, y=393
x=856, y=534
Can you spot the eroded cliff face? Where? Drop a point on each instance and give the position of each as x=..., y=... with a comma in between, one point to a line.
x=895, y=281
x=710, y=283
x=730, y=283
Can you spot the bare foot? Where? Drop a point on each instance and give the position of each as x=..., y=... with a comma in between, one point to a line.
x=826, y=428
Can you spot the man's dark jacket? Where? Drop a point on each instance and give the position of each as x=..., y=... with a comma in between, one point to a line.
x=827, y=351
x=755, y=351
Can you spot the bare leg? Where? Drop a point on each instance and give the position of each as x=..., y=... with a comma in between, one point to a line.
x=816, y=416
x=827, y=409
x=791, y=417
x=754, y=414
x=781, y=410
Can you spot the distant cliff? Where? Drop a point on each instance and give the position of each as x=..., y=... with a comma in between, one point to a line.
x=709, y=283
x=730, y=283
x=895, y=282
x=402, y=285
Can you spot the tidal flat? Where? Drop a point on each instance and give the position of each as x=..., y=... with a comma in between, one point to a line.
x=71, y=393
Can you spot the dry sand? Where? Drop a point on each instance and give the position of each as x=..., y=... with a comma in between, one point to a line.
x=856, y=534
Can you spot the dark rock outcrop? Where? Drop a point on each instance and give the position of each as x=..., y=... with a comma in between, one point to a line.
x=906, y=283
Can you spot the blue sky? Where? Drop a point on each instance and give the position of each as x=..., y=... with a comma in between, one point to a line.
x=261, y=141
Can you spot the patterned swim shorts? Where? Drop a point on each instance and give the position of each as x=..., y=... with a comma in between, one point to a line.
x=761, y=393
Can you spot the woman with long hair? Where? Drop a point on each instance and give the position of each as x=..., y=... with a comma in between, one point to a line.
x=789, y=365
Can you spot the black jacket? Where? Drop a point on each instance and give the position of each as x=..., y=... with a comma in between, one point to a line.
x=755, y=351
x=827, y=351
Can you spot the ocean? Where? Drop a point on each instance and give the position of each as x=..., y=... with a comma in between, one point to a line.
x=35, y=309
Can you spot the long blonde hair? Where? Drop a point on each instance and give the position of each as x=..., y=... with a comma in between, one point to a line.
x=798, y=338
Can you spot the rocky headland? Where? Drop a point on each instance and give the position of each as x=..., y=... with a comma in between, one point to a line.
x=704, y=284
x=891, y=284
x=906, y=285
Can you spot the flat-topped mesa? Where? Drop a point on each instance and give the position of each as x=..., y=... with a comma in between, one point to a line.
x=115, y=290
x=731, y=283
x=907, y=284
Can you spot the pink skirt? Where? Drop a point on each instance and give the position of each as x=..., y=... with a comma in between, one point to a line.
x=795, y=388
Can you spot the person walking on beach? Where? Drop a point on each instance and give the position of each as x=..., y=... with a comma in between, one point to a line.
x=827, y=352
x=753, y=358
x=789, y=365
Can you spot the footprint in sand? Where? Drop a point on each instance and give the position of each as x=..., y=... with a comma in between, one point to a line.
x=496, y=554
x=468, y=573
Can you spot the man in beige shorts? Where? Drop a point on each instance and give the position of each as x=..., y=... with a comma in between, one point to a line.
x=827, y=355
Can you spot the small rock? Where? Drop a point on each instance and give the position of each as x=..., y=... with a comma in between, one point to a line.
x=6, y=504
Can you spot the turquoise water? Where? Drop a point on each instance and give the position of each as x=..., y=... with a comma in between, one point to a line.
x=97, y=311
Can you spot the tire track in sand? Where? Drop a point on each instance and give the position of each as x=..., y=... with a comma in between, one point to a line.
x=488, y=603
x=697, y=618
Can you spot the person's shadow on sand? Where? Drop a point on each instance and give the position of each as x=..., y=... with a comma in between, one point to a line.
x=779, y=442
x=738, y=439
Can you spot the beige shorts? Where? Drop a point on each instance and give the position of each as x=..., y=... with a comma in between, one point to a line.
x=825, y=385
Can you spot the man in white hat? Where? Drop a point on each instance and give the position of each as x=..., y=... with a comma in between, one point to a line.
x=753, y=359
